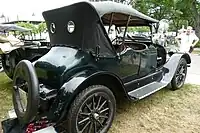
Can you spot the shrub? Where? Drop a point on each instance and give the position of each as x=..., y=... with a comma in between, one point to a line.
x=197, y=45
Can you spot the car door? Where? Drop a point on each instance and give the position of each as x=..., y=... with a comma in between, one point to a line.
x=125, y=64
x=148, y=61
x=128, y=64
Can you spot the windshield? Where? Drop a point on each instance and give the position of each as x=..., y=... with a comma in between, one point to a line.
x=136, y=31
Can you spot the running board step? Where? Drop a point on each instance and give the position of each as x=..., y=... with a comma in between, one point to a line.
x=146, y=90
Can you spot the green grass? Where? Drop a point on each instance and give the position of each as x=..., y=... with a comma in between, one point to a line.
x=165, y=111
x=5, y=95
x=196, y=52
x=197, y=45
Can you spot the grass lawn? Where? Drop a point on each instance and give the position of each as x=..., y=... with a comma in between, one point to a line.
x=5, y=95
x=163, y=112
x=196, y=52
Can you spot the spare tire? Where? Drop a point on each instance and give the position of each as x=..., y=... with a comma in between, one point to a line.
x=25, y=79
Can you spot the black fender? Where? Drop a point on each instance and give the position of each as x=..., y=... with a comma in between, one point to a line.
x=77, y=83
x=170, y=67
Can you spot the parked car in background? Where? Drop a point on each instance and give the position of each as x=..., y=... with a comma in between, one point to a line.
x=14, y=49
x=74, y=87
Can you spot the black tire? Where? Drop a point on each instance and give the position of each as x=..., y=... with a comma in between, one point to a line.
x=95, y=114
x=9, y=70
x=181, y=73
x=25, y=79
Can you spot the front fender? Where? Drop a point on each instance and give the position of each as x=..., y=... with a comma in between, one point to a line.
x=172, y=64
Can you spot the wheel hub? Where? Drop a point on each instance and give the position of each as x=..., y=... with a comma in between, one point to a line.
x=182, y=71
x=96, y=116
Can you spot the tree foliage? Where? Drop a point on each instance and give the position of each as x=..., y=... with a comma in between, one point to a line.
x=28, y=26
x=35, y=29
x=139, y=29
x=42, y=27
x=178, y=12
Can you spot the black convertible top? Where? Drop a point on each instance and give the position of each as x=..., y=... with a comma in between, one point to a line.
x=88, y=20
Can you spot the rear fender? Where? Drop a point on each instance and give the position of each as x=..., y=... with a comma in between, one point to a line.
x=76, y=84
x=170, y=67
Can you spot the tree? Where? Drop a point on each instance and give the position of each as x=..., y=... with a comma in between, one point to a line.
x=28, y=26
x=139, y=29
x=158, y=9
x=41, y=28
x=190, y=13
x=35, y=29
x=179, y=12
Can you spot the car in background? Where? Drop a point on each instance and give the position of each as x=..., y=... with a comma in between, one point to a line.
x=15, y=48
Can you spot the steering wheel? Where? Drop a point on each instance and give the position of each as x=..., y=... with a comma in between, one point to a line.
x=117, y=37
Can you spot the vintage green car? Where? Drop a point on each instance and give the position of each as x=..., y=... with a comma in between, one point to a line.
x=74, y=87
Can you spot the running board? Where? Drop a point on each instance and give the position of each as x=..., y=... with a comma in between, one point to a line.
x=146, y=90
